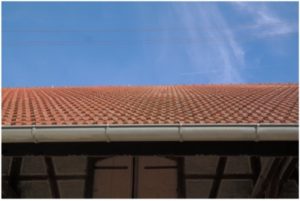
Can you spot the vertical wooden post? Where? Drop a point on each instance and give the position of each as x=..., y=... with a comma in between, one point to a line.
x=135, y=177
x=255, y=167
x=14, y=176
x=181, y=178
x=89, y=181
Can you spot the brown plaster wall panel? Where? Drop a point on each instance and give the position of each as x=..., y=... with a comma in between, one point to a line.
x=201, y=164
x=114, y=161
x=264, y=160
x=235, y=188
x=156, y=183
x=69, y=165
x=113, y=183
x=289, y=190
x=33, y=166
x=71, y=188
x=148, y=161
x=6, y=162
x=198, y=188
x=238, y=165
x=35, y=189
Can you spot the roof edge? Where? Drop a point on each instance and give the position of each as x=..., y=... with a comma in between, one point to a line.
x=136, y=133
x=151, y=125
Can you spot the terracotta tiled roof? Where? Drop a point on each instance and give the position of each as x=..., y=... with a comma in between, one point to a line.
x=196, y=104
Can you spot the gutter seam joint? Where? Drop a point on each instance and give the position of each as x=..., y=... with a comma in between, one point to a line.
x=33, y=131
x=106, y=133
x=180, y=132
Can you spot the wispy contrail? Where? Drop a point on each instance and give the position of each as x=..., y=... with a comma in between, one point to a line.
x=226, y=58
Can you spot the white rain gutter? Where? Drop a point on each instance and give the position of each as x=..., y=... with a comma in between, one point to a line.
x=129, y=133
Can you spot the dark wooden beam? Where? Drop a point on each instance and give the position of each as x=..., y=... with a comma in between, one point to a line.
x=278, y=148
x=7, y=191
x=134, y=177
x=14, y=176
x=181, y=189
x=51, y=176
x=295, y=175
x=89, y=182
x=265, y=176
x=272, y=190
x=255, y=167
x=219, y=173
x=287, y=171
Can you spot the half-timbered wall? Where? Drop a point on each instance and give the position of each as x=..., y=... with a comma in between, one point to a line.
x=137, y=176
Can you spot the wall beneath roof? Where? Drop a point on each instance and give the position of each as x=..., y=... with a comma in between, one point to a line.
x=127, y=176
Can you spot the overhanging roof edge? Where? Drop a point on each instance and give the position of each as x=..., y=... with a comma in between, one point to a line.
x=131, y=133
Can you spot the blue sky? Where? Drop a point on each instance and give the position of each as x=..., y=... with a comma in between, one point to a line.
x=148, y=43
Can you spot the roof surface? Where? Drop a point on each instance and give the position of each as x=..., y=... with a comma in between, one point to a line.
x=194, y=104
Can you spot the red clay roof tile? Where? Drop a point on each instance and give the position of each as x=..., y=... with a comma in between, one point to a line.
x=200, y=104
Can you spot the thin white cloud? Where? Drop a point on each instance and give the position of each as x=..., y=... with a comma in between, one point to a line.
x=220, y=56
x=214, y=53
x=266, y=23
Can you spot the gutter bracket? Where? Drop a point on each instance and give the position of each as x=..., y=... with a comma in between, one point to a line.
x=180, y=132
x=33, y=131
x=106, y=133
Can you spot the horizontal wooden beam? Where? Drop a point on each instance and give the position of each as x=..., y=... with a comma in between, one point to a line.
x=278, y=148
